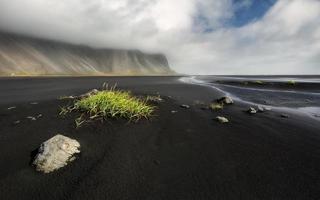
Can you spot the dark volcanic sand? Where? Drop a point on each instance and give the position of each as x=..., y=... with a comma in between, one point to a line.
x=186, y=155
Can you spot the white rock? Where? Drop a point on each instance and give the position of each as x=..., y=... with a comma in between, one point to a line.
x=31, y=118
x=225, y=100
x=222, y=119
x=55, y=153
x=260, y=109
x=252, y=110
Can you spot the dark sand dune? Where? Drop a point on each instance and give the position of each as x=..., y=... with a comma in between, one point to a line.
x=186, y=155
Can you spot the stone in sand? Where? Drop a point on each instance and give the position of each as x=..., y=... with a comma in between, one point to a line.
x=284, y=115
x=56, y=153
x=225, y=100
x=261, y=109
x=155, y=99
x=222, y=119
x=31, y=118
x=252, y=110
x=185, y=106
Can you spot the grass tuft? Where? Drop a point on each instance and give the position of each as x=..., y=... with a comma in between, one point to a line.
x=259, y=82
x=291, y=82
x=216, y=106
x=110, y=104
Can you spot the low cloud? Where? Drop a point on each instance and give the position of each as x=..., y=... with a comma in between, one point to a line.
x=194, y=34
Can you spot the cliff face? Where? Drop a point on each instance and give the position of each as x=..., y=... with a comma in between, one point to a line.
x=20, y=55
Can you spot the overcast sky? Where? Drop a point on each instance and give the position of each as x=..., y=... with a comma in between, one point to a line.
x=198, y=36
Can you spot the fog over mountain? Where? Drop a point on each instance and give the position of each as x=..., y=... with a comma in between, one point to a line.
x=197, y=36
x=21, y=55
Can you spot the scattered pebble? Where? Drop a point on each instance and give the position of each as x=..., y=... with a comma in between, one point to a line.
x=11, y=108
x=185, y=106
x=155, y=99
x=225, y=100
x=31, y=118
x=316, y=115
x=34, y=103
x=260, y=109
x=40, y=115
x=174, y=111
x=222, y=119
x=252, y=110
x=284, y=115
x=17, y=122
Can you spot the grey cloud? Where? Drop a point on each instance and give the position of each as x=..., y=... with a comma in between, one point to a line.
x=286, y=40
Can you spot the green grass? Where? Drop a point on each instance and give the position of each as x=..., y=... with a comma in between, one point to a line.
x=216, y=106
x=110, y=104
x=259, y=82
x=291, y=82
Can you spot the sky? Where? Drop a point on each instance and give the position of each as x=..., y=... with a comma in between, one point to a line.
x=197, y=36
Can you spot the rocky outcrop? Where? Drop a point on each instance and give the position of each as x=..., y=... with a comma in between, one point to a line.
x=21, y=55
x=55, y=153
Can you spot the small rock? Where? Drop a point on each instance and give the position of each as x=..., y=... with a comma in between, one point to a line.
x=56, y=153
x=260, y=109
x=222, y=119
x=316, y=115
x=31, y=118
x=252, y=110
x=11, y=108
x=17, y=122
x=225, y=100
x=185, y=106
x=284, y=115
x=67, y=97
x=40, y=115
x=174, y=111
x=34, y=103
x=155, y=99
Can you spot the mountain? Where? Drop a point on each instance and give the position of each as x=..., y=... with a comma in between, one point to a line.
x=23, y=55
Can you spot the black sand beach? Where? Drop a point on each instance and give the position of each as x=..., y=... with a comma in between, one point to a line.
x=182, y=155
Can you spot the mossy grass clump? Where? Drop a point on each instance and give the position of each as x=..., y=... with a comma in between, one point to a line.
x=259, y=82
x=291, y=82
x=110, y=103
x=216, y=106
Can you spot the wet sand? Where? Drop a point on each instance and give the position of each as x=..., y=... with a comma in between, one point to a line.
x=183, y=155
